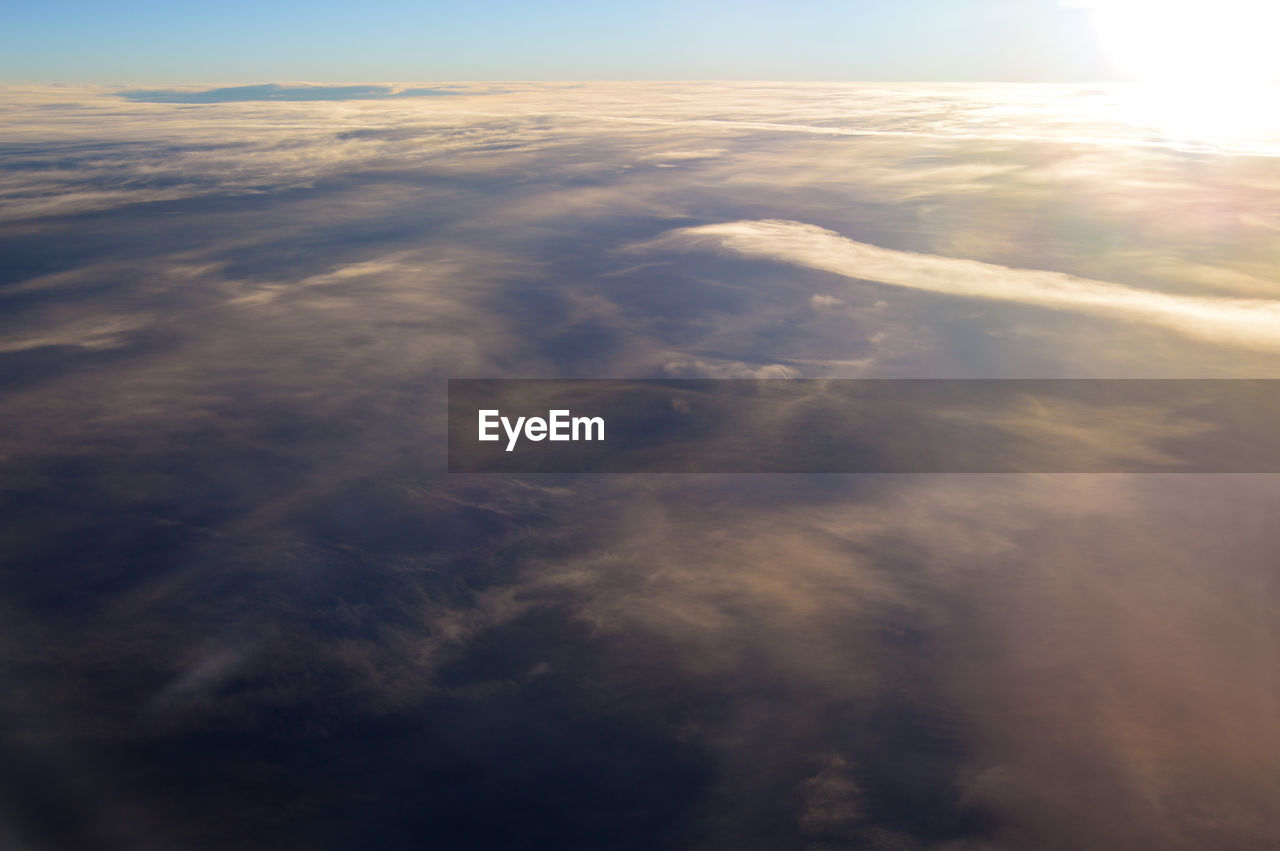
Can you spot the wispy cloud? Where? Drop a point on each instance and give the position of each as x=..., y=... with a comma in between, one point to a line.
x=1252, y=323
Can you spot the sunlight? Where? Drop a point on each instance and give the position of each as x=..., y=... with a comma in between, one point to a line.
x=1209, y=68
x=1188, y=40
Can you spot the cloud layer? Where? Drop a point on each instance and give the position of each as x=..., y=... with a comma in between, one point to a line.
x=244, y=607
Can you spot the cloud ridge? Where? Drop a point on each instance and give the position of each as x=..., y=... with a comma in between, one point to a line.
x=1249, y=323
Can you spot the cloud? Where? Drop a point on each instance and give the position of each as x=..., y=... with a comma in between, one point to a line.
x=72, y=150
x=1251, y=323
x=698, y=368
x=97, y=333
x=227, y=326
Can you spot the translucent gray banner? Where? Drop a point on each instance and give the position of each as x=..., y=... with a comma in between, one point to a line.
x=864, y=426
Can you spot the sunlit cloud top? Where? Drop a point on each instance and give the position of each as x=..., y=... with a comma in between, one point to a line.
x=1253, y=323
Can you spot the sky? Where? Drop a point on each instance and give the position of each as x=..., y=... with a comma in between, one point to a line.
x=88, y=41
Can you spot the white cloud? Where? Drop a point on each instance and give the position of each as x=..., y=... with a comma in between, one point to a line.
x=1250, y=323
x=698, y=368
x=820, y=301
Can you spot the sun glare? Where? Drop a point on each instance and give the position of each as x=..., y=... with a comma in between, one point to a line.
x=1189, y=40
x=1209, y=69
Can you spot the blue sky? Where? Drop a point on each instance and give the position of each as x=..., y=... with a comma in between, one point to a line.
x=235, y=41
